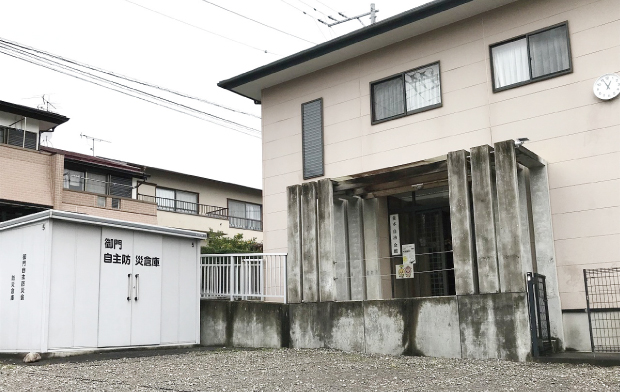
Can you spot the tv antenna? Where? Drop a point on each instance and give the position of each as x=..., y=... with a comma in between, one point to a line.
x=94, y=139
x=372, y=13
x=46, y=104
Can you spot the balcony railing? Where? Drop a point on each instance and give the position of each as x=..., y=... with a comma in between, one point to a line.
x=186, y=207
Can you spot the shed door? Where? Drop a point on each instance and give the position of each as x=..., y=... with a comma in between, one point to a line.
x=130, y=288
x=146, y=301
x=116, y=287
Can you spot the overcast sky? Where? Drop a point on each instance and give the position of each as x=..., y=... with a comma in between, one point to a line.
x=123, y=37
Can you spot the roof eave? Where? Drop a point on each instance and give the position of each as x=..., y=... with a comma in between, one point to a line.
x=402, y=19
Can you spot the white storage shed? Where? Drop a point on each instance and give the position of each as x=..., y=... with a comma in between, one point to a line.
x=70, y=281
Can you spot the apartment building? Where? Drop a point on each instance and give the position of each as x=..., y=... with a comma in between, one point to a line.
x=36, y=178
x=201, y=204
x=423, y=174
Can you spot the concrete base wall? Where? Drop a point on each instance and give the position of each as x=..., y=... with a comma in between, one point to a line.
x=577, y=331
x=475, y=326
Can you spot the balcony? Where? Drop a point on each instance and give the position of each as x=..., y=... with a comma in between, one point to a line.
x=185, y=207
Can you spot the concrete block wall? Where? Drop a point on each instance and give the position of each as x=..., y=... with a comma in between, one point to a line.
x=474, y=326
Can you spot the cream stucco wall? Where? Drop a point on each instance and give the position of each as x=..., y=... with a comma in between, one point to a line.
x=213, y=193
x=576, y=133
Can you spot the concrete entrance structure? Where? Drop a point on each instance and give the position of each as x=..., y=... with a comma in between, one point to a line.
x=550, y=207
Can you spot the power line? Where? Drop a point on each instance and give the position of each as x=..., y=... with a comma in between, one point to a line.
x=130, y=79
x=200, y=28
x=69, y=68
x=308, y=5
x=23, y=58
x=320, y=2
x=255, y=21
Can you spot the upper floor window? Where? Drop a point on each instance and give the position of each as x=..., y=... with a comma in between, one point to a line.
x=535, y=56
x=407, y=93
x=176, y=201
x=18, y=137
x=103, y=184
x=312, y=138
x=245, y=215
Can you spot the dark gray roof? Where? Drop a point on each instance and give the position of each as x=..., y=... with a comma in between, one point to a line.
x=42, y=115
x=418, y=20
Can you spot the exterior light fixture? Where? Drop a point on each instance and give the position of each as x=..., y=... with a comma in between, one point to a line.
x=520, y=141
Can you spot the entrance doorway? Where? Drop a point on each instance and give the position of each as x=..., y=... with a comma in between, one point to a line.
x=424, y=221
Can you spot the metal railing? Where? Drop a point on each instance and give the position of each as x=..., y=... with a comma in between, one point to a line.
x=250, y=276
x=186, y=207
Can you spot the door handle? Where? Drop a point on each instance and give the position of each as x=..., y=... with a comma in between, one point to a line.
x=137, y=286
x=128, y=287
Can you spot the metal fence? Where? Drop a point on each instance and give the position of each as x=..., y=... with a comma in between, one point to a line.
x=251, y=276
x=539, y=315
x=603, y=306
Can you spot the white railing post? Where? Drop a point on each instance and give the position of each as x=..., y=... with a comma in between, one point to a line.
x=232, y=277
x=261, y=277
x=284, y=285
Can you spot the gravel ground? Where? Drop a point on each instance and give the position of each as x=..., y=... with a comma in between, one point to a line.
x=298, y=370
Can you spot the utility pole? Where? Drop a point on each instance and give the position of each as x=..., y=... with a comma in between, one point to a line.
x=372, y=13
x=94, y=139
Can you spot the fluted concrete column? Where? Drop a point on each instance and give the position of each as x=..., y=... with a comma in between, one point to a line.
x=376, y=248
x=484, y=219
x=357, y=265
x=545, y=250
x=527, y=239
x=465, y=273
x=293, y=231
x=309, y=257
x=341, y=251
x=512, y=274
x=327, y=287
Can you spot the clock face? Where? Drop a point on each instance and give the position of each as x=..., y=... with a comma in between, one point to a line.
x=607, y=86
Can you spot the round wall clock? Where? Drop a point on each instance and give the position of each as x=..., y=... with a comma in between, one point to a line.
x=607, y=87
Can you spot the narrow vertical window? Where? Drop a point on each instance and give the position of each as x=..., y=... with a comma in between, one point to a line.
x=312, y=138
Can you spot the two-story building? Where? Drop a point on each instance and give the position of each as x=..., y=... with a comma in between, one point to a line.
x=417, y=169
x=36, y=178
x=202, y=204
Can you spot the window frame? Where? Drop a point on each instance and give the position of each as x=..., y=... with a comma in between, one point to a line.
x=228, y=200
x=529, y=58
x=303, y=154
x=5, y=138
x=406, y=113
x=175, y=209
